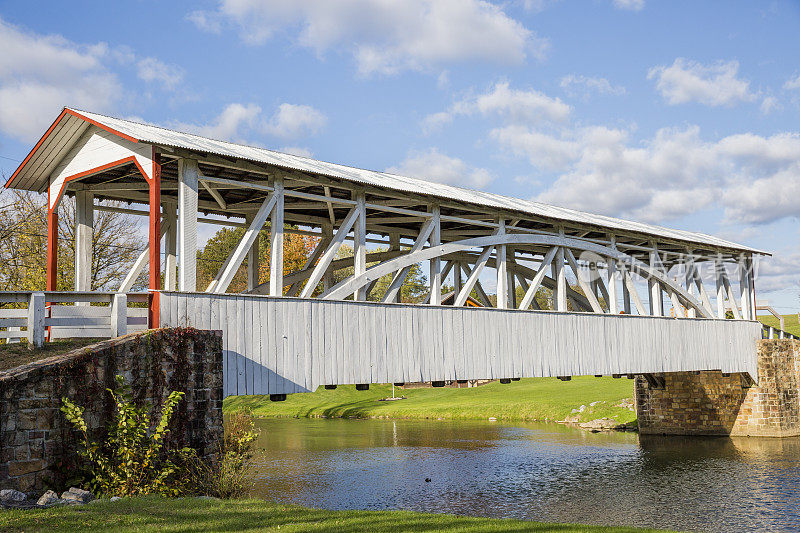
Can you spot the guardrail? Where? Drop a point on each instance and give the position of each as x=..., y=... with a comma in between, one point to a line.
x=768, y=332
x=36, y=316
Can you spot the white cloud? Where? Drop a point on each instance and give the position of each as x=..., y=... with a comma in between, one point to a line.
x=755, y=179
x=206, y=21
x=792, y=83
x=765, y=199
x=433, y=165
x=239, y=121
x=778, y=272
x=385, y=36
x=232, y=124
x=584, y=86
x=40, y=74
x=632, y=5
x=689, y=81
x=769, y=104
x=545, y=151
x=653, y=182
x=292, y=121
x=296, y=150
x=511, y=105
x=150, y=69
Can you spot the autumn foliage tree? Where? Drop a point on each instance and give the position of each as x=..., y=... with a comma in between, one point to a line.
x=296, y=251
x=116, y=239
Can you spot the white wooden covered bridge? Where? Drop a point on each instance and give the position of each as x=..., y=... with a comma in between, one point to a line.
x=626, y=297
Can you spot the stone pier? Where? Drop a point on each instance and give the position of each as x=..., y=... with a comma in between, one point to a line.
x=713, y=403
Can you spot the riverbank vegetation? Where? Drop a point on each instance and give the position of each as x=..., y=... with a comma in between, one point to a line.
x=528, y=399
x=195, y=514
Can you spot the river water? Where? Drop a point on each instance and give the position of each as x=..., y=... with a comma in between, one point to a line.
x=544, y=472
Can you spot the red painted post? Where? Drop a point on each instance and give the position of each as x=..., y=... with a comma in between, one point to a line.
x=155, y=241
x=52, y=246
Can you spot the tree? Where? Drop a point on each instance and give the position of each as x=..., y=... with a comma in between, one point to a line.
x=116, y=240
x=296, y=251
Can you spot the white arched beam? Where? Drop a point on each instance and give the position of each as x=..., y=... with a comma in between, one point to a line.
x=348, y=286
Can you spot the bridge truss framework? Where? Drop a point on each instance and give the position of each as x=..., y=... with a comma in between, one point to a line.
x=393, y=223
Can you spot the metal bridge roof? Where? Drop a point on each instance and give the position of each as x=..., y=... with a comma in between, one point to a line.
x=32, y=173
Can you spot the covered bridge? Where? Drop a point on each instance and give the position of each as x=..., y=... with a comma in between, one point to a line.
x=627, y=297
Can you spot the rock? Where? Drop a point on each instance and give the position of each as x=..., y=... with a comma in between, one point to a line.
x=115, y=498
x=627, y=403
x=76, y=495
x=602, y=424
x=48, y=498
x=11, y=495
x=492, y=419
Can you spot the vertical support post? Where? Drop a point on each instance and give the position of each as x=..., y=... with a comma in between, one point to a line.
x=456, y=277
x=84, y=221
x=52, y=243
x=276, y=242
x=188, y=174
x=656, y=294
x=744, y=288
x=253, y=260
x=36, y=311
x=360, y=244
x=502, y=269
x=690, y=284
x=751, y=283
x=327, y=279
x=119, y=315
x=435, y=264
x=560, y=275
x=511, y=284
x=154, y=283
x=170, y=247
x=394, y=244
x=611, y=270
x=720, y=277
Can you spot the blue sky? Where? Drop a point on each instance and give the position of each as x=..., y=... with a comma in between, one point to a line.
x=678, y=113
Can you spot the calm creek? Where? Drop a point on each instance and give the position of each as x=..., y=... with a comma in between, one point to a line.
x=543, y=472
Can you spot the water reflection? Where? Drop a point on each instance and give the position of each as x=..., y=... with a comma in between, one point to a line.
x=531, y=471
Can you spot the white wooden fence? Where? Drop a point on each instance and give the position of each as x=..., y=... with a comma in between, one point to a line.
x=276, y=345
x=769, y=332
x=70, y=314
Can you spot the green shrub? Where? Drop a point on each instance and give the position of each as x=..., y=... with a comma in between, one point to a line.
x=231, y=475
x=133, y=458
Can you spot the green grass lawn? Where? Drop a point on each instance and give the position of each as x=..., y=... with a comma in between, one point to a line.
x=792, y=326
x=527, y=399
x=192, y=514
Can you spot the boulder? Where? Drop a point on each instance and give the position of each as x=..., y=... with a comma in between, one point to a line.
x=48, y=498
x=602, y=424
x=11, y=495
x=76, y=495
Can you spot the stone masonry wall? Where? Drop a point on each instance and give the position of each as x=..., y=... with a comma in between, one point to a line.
x=711, y=403
x=37, y=445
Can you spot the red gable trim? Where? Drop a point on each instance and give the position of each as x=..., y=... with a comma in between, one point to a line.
x=64, y=112
x=101, y=126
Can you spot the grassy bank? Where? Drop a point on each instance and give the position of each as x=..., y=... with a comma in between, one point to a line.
x=792, y=325
x=192, y=514
x=527, y=399
x=16, y=354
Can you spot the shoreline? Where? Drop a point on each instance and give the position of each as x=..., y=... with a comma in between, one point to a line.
x=202, y=513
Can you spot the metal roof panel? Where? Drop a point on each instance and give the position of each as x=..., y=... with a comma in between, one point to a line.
x=152, y=134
